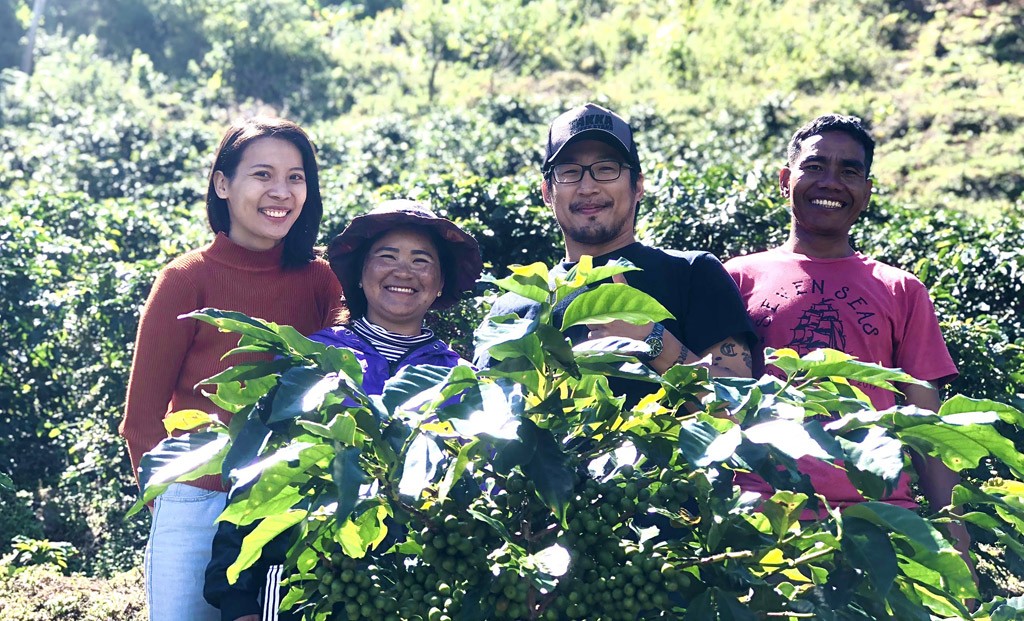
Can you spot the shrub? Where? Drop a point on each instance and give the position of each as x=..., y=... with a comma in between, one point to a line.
x=528, y=491
x=42, y=594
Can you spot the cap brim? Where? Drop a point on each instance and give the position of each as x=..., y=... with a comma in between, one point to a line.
x=602, y=135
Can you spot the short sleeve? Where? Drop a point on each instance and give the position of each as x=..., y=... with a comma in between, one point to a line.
x=716, y=311
x=920, y=349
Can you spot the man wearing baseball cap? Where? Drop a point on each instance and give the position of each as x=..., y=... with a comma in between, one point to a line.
x=593, y=183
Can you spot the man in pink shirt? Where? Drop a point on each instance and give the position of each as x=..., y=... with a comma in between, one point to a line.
x=815, y=291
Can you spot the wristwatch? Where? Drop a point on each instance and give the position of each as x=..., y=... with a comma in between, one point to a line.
x=655, y=341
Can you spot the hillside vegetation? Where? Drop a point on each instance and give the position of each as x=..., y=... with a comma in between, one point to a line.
x=104, y=149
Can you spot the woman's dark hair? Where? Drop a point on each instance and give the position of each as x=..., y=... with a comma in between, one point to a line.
x=298, y=243
x=355, y=301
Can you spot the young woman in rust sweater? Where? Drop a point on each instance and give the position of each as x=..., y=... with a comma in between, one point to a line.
x=263, y=203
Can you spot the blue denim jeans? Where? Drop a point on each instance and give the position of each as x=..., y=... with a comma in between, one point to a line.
x=180, y=540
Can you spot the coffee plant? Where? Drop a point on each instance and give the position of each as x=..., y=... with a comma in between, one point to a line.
x=529, y=490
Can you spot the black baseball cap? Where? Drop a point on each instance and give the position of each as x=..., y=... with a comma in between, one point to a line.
x=593, y=122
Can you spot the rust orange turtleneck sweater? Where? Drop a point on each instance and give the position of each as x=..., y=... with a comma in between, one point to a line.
x=172, y=355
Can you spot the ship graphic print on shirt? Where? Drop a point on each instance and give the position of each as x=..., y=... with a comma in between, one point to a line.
x=819, y=326
x=815, y=315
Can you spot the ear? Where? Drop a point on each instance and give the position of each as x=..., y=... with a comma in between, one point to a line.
x=784, y=174
x=545, y=192
x=639, y=189
x=220, y=184
x=867, y=196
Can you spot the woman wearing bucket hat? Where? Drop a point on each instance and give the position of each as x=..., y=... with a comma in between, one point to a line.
x=395, y=263
x=402, y=245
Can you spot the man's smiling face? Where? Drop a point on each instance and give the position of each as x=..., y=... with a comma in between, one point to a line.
x=827, y=186
x=596, y=217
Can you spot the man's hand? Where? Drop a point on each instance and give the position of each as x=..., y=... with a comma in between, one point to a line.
x=729, y=358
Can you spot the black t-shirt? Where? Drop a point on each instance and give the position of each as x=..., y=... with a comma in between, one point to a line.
x=693, y=286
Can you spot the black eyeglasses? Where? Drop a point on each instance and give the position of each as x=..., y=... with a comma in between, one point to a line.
x=605, y=170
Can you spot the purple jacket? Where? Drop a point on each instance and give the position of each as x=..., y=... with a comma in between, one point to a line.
x=376, y=368
x=242, y=598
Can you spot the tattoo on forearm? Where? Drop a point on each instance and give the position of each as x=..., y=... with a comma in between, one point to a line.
x=728, y=349
x=684, y=353
x=748, y=360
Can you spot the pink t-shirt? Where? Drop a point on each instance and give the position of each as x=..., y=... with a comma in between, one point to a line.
x=854, y=304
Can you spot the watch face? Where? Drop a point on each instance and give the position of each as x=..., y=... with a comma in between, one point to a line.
x=655, y=341
x=656, y=345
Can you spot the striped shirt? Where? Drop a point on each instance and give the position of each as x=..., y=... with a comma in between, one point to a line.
x=390, y=345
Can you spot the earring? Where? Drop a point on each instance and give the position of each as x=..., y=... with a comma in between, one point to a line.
x=438, y=294
x=360, y=284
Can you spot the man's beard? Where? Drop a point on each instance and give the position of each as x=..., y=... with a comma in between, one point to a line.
x=593, y=233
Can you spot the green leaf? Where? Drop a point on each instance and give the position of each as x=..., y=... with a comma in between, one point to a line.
x=362, y=532
x=558, y=347
x=458, y=466
x=246, y=446
x=249, y=371
x=701, y=444
x=611, y=302
x=301, y=390
x=906, y=609
x=1009, y=509
x=488, y=408
x=493, y=523
x=522, y=362
x=940, y=580
x=832, y=363
x=500, y=330
x=783, y=510
x=252, y=545
x=236, y=396
x=869, y=549
x=962, y=447
x=607, y=364
x=422, y=461
x=342, y=360
x=299, y=343
x=960, y=404
x=283, y=339
x=231, y=321
x=878, y=454
x=348, y=478
x=413, y=387
x=276, y=480
x=516, y=452
x=600, y=273
x=788, y=437
x=180, y=459
x=6, y=482
x=1012, y=609
x=619, y=348
x=529, y=281
x=900, y=521
x=342, y=428
x=187, y=420
x=549, y=470
x=701, y=608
